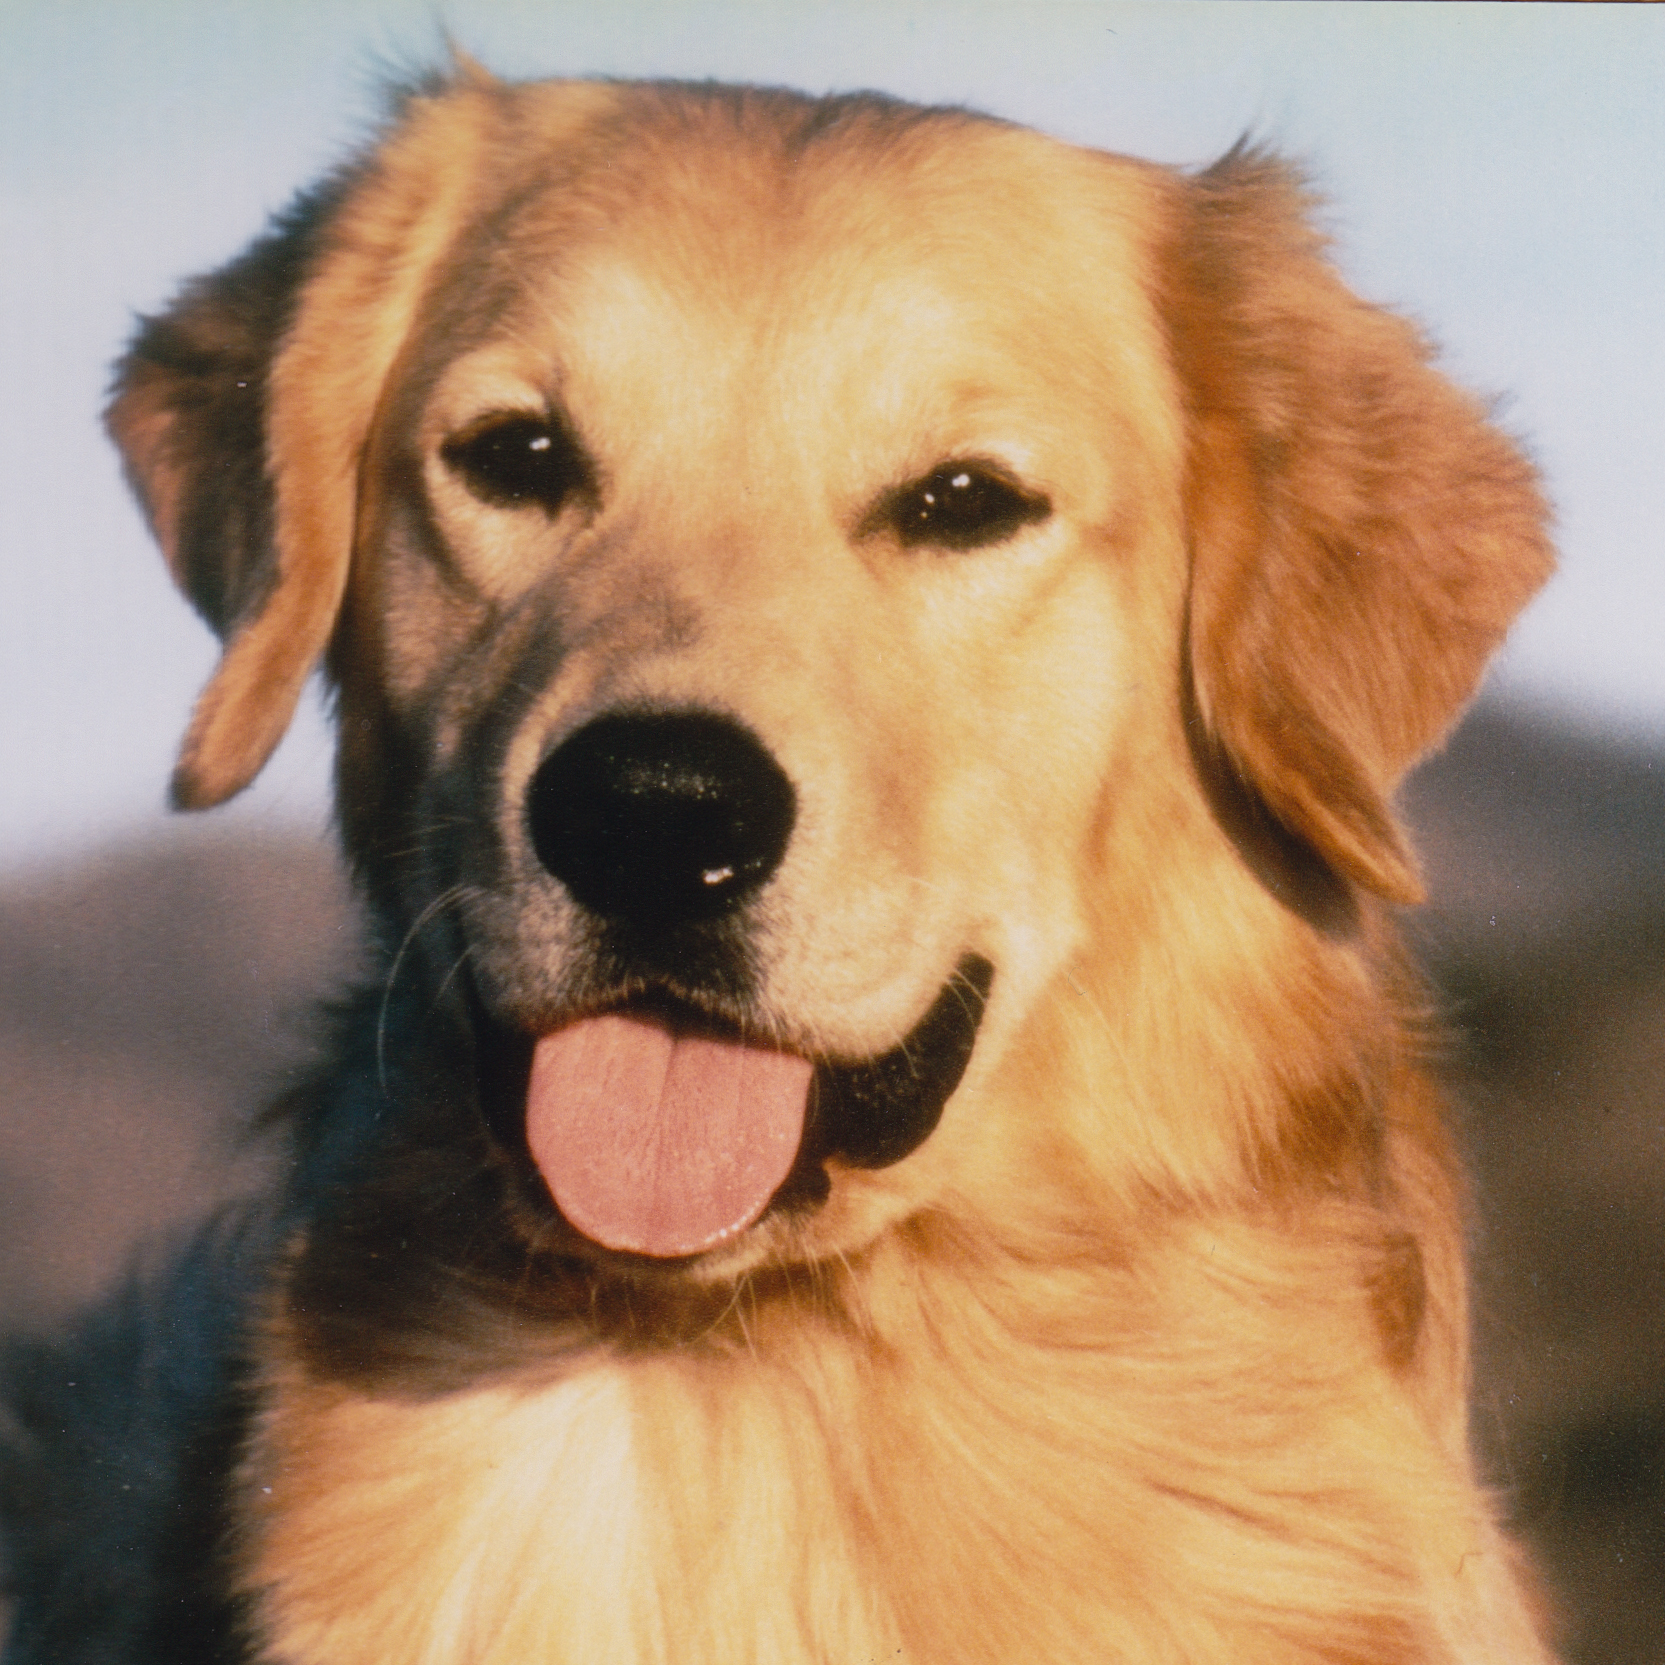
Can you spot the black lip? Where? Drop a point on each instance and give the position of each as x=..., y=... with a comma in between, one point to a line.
x=874, y=1113
x=869, y=1113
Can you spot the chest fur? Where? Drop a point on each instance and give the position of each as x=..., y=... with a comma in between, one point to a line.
x=609, y=1515
x=991, y=1492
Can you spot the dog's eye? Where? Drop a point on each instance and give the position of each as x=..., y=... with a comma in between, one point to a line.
x=511, y=461
x=962, y=506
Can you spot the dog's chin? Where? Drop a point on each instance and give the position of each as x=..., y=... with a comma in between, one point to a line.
x=829, y=1190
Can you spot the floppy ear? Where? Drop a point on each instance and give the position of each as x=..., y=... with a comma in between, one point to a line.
x=242, y=412
x=1361, y=536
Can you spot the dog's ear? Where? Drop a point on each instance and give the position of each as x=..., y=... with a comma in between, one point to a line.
x=1361, y=536
x=190, y=416
x=243, y=410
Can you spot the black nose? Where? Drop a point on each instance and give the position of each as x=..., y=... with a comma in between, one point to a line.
x=657, y=818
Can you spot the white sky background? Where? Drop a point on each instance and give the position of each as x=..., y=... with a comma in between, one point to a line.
x=1497, y=171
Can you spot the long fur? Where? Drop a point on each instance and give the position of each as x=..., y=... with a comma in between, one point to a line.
x=1155, y=1349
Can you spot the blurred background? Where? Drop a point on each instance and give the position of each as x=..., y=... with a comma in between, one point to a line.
x=1498, y=172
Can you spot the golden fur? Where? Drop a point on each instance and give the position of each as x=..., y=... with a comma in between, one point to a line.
x=1155, y=1349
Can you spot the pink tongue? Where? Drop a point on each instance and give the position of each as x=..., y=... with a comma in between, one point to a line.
x=661, y=1144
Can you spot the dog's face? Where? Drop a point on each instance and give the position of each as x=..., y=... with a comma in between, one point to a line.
x=765, y=596
x=802, y=559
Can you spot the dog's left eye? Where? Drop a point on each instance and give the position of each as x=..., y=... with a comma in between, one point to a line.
x=962, y=506
x=514, y=460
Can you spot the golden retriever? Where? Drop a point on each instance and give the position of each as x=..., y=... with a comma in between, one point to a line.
x=873, y=652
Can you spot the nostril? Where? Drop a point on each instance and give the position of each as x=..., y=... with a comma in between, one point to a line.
x=660, y=817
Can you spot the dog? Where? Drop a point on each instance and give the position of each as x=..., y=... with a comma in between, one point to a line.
x=873, y=650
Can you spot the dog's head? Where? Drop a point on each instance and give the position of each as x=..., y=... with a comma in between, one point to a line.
x=801, y=577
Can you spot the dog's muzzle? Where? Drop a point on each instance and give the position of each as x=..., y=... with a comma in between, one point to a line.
x=658, y=1129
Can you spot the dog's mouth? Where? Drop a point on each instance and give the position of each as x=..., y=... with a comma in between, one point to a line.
x=659, y=1132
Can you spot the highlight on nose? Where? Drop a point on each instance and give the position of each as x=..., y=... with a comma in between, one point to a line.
x=656, y=818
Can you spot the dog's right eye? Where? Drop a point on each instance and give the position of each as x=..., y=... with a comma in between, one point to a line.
x=515, y=461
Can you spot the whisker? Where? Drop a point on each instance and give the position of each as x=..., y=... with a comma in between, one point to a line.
x=452, y=894
x=456, y=965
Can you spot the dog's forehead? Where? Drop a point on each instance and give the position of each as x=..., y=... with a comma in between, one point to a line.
x=894, y=249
